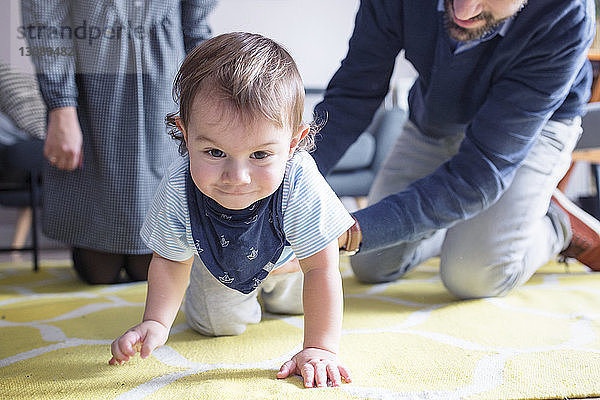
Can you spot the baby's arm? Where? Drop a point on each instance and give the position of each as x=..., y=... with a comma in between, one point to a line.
x=167, y=282
x=323, y=303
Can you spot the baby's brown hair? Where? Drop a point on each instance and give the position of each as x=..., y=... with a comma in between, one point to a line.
x=250, y=73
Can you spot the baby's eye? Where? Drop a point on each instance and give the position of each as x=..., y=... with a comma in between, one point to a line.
x=259, y=155
x=215, y=153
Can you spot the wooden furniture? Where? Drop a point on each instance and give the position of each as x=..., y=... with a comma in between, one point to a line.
x=594, y=57
x=588, y=149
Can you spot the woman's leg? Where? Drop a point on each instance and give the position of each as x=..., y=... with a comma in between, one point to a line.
x=97, y=267
x=137, y=266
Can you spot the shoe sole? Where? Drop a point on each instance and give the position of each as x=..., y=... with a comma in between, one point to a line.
x=572, y=208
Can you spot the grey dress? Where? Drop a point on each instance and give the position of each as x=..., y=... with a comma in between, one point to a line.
x=115, y=60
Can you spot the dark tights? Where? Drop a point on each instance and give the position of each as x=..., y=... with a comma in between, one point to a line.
x=98, y=268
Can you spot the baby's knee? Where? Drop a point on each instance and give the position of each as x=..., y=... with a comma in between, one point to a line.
x=282, y=293
x=218, y=329
x=211, y=318
x=472, y=279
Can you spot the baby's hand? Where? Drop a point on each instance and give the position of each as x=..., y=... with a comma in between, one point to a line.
x=142, y=338
x=316, y=366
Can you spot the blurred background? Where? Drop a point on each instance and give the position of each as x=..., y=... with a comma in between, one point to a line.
x=315, y=32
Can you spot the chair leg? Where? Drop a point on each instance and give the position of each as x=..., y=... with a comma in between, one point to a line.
x=596, y=177
x=33, y=197
x=22, y=227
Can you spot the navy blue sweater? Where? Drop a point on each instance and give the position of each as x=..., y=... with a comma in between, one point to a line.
x=500, y=93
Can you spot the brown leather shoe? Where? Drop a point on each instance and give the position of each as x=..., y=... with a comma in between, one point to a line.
x=585, y=243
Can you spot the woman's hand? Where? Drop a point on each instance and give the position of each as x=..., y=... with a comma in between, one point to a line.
x=63, y=145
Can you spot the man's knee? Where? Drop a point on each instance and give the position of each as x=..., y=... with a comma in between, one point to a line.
x=378, y=267
x=471, y=279
x=366, y=272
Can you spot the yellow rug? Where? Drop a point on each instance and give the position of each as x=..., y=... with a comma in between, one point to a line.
x=405, y=340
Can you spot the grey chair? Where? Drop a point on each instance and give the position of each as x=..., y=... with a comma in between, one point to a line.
x=355, y=172
x=21, y=164
x=22, y=130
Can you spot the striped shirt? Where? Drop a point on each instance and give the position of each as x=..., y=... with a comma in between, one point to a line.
x=313, y=216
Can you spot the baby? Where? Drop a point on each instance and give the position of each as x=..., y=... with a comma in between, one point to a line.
x=245, y=199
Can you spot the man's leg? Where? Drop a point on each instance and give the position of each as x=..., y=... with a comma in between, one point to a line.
x=414, y=156
x=501, y=248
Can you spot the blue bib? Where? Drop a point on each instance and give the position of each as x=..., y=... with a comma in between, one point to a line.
x=239, y=247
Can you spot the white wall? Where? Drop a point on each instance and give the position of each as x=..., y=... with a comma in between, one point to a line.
x=315, y=32
x=5, y=34
x=10, y=20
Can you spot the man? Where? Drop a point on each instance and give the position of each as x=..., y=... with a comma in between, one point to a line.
x=494, y=115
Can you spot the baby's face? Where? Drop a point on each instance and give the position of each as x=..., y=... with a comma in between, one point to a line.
x=233, y=161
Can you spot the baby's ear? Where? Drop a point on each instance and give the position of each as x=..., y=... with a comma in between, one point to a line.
x=297, y=138
x=179, y=124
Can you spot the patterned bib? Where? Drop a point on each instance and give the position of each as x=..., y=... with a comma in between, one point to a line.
x=239, y=247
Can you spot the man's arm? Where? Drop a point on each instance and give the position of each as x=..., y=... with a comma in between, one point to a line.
x=518, y=104
x=362, y=81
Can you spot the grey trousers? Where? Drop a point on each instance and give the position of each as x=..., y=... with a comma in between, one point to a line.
x=213, y=309
x=495, y=251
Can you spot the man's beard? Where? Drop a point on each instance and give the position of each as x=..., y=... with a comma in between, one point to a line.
x=461, y=34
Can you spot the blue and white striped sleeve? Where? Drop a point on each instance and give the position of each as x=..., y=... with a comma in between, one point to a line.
x=164, y=228
x=313, y=215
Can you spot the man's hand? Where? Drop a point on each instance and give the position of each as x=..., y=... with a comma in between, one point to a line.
x=316, y=366
x=144, y=338
x=343, y=239
x=63, y=146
